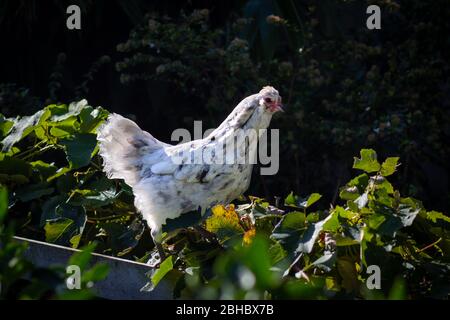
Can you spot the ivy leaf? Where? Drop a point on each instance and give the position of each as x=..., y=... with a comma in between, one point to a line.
x=389, y=166
x=368, y=161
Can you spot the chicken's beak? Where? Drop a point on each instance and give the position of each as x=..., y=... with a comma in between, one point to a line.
x=279, y=106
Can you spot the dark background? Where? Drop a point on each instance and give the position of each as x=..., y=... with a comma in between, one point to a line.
x=347, y=88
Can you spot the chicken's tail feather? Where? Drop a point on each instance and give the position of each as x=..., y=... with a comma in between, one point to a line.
x=122, y=145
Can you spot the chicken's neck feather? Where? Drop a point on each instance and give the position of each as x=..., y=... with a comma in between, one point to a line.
x=248, y=114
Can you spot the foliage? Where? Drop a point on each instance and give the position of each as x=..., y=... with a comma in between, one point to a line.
x=298, y=253
x=247, y=250
x=58, y=190
x=20, y=279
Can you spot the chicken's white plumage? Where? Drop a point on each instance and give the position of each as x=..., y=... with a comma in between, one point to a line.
x=165, y=186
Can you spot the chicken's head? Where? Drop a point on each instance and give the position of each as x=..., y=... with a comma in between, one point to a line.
x=270, y=99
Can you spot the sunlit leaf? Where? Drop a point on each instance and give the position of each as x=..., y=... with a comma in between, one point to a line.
x=248, y=236
x=23, y=127
x=3, y=203
x=368, y=161
x=223, y=219
x=303, y=203
x=158, y=274
x=55, y=228
x=389, y=166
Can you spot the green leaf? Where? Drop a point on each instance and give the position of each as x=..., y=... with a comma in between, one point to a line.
x=74, y=109
x=360, y=182
x=386, y=185
x=49, y=208
x=96, y=273
x=332, y=224
x=309, y=237
x=349, y=193
x=347, y=269
x=91, y=119
x=276, y=253
x=325, y=262
x=293, y=220
x=65, y=211
x=302, y=203
x=45, y=169
x=34, y=191
x=289, y=229
x=389, y=166
x=59, y=133
x=5, y=125
x=368, y=161
x=164, y=268
x=255, y=257
x=435, y=215
x=23, y=127
x=398, y=290
x=3, y=203
x=55, y=228
x=75, y=240
x=79, y=149
x=11, y=165
x=82, y=257
x=122, y=239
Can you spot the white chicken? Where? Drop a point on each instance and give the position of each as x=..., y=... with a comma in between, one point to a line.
x=165, y=180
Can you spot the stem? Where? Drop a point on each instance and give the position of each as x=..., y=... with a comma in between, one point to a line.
x=20, y=154
x=430, y=245
x=38, y=152
x=105, y=218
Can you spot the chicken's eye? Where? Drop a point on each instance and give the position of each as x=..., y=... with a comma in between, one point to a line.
x=268, y=100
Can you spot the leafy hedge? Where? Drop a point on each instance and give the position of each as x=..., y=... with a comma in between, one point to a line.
x=246, y=250
x=20, y=279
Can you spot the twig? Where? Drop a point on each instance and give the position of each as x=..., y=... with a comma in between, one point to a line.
x=429, y=246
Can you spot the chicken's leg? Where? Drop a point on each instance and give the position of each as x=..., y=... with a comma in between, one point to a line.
x=157, y=240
